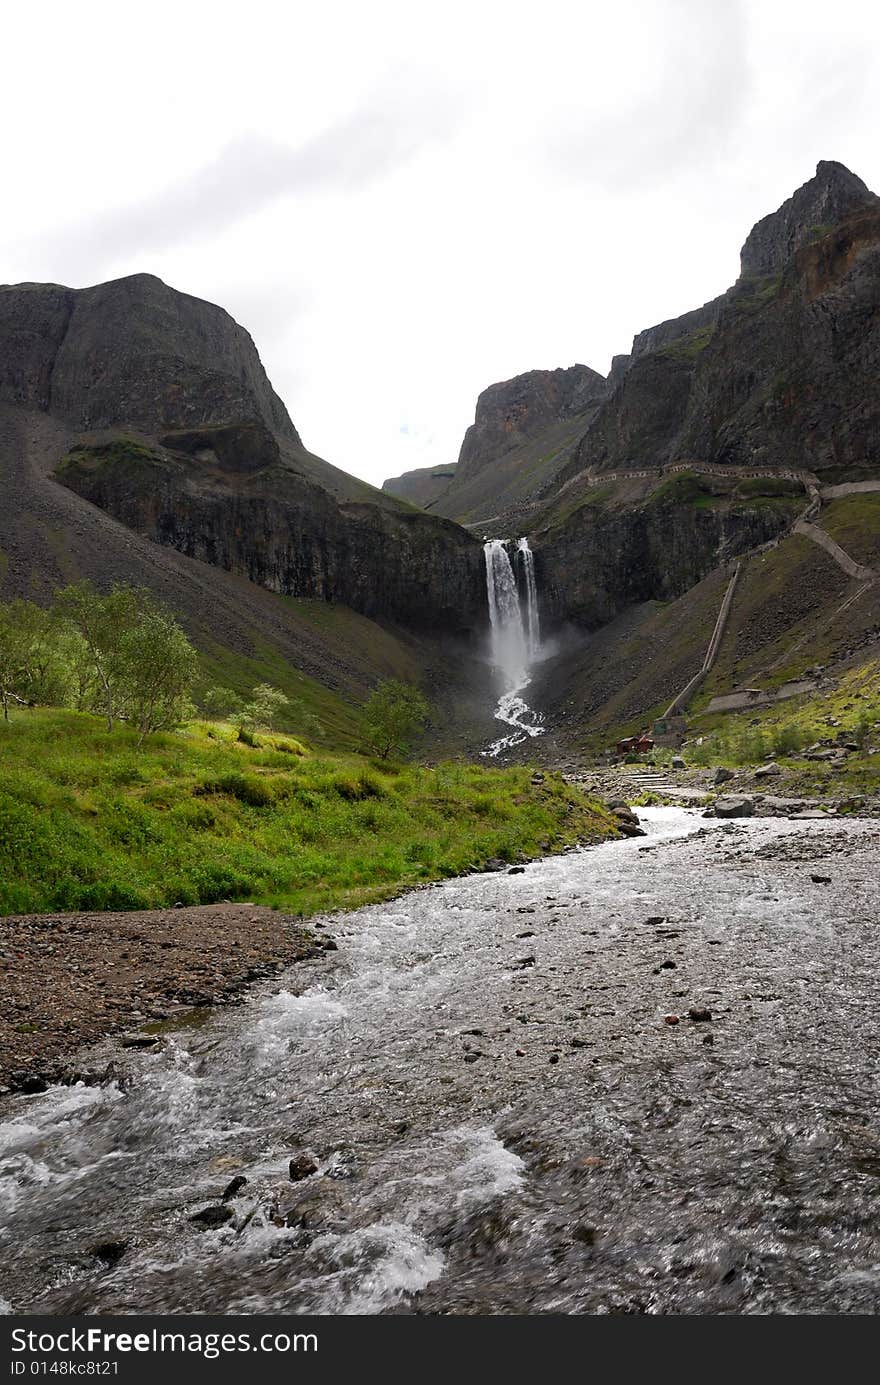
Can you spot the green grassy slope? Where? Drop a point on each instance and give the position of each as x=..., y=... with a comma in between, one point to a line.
x=88, y=822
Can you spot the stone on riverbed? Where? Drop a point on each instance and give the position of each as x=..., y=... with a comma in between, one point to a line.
x=209, y=1218
x=732, y=806
x=301, y=1166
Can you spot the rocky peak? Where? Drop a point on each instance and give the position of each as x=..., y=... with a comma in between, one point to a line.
x=514, y=410
x=133, y=351
x=821, y=203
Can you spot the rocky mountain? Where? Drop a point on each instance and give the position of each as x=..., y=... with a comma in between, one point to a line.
x=132, y=353
x=422, y=486
x=174, y=429
x=815, y=208
x=709, y=439
x=517, y=410
x=521, y=437
x=778, y=374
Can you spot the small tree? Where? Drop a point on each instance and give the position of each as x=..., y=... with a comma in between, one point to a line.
x=128, y=656
x=220, y=704
x=32, y=665
x=101, y=622
x=156, y=668
x=393, y=714
x=261, y=713
x=14, y=647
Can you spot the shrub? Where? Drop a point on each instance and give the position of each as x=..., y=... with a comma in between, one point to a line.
x=256, y=793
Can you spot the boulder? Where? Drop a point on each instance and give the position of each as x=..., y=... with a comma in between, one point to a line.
x=301, y=1166
x=769, y=771
x=733, y=806
x=209, y=1218
x=722, y=774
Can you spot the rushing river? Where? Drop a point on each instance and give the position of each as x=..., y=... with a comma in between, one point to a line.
x=502, y=1118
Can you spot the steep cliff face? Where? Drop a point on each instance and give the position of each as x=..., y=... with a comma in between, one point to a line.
x=776, y=377
x=132, y=352
x=833, y=194
x=781, y=370
x=285, y=533
x=789, y=378
x=183, y=439
x=608, y=556
x=510, y=413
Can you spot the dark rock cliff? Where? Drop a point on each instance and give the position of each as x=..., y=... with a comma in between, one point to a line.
x=184, y=439
x=780, y=371
x=511, y=412
x=132, y=352
x=285, y=533
x=611, y=557
x=817, y=206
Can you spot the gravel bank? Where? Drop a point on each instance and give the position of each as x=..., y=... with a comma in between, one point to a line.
x=70, y=979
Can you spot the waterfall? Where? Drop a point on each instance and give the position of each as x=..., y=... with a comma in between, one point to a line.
x=509, y=645
x=515, y=643
x=533, y=619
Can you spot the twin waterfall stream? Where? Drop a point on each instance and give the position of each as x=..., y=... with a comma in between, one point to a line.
x=516, y=638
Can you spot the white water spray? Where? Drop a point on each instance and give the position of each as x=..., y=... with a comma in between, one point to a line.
x=514, y=643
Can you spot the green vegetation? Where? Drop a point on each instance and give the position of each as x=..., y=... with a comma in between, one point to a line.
x=589, y=502
x=754, y=292
x=689, y=347
x=124, y=456
x=310, y=703
x=120, y=653
x=854, y=522
x=819, y=231
x=393, y=715
x=90, y=821
x=848, y=714
x=752, y=486
x=683, y=488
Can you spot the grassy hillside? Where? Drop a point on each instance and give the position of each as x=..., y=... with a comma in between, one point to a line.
x=88, y=822
x=846, y=715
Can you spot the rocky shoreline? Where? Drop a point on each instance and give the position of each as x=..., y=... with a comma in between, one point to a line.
x=72, y=979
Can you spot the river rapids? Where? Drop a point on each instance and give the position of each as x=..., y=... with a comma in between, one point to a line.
x=503, y=1119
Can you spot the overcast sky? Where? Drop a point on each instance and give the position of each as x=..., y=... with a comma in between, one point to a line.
x=405, y=202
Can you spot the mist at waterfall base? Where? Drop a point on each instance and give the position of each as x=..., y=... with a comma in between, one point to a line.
x=515, y=639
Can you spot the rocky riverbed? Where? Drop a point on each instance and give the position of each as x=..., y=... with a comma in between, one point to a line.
x=69, y=979
x=637, y=1078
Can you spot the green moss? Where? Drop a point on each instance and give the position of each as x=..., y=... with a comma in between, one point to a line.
x=763, y=486
x=754, y=293
x=125, y=457
x=819, y=231
x=591, y=501
x=854, y=522
x=690, y=347
x=684, y=488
